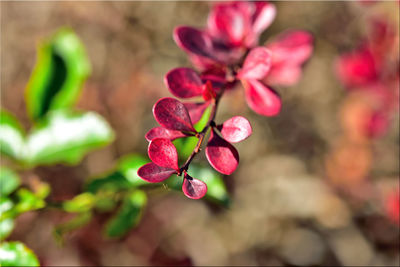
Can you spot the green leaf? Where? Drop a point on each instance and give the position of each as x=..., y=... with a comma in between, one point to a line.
x=61, y=68
x=28, y=201
x=111, y=182
x=42, y=189
x=11, y=136
x=185, y=146
x=125, y=177
x=129, y=166
x=6, y=220
x=17, y=254
x=204, y=119
x=80, y=203
x=79, y=220
x=128, y=215
x=65, y=137
x=9, y=181
x=6, y=208
x=6, y=227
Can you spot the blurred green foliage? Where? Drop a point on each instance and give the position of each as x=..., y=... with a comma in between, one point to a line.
x=61, y=68
x=17, y=254
x=128, y=215
x=12, y=136
x=9, y=181
x=66, y=136
x=59, y=135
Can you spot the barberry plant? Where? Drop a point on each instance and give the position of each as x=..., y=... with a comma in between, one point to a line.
x=225, y=53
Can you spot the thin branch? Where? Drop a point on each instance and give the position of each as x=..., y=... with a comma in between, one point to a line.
x=201, y=135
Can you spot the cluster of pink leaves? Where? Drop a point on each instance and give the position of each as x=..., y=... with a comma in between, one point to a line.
x=225, y=53
x=373, y=69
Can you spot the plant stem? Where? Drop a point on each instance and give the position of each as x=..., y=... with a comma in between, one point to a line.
x=201, y=135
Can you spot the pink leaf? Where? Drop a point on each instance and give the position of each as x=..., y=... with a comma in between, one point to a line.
x=261, y=99
x=153, y=173
x=263, y=16
x=193, y=188
x=184, y=82
x=221, y=155
x=284, y=75
x=161, y=132
x=196, y=110
x=230, y=22
x=291, y=47
x=163, y=153
x=173, y=115
x=256, y=64
x=236, y=129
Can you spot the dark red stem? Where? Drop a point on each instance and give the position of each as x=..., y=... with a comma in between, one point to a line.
x=201, y=135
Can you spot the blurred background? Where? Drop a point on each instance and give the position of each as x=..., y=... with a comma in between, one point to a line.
x=303, y=195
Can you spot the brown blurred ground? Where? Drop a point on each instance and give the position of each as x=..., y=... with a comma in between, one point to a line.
x=283, y=213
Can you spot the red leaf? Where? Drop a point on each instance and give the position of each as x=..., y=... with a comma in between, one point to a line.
x=153, y=173
x=193, y=41
x=161, y=132
x=215, y=74
x=208, y=91
x=193, y=188
x=163, y=153
x=256, y=64
x=261, y=99
x=221, y=155
x=236, y=129
x=196, y=110
x=173, y=115
x=184, y=82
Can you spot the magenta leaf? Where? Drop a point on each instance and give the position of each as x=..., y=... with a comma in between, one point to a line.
x=184, y=82
x=222, y=156
x=163, y=153
x=196, y=110
x=153, y=173
x=173, y=115
x=256, y=64
x=202, y=49
x=193, y=188
x=161, y=132
x=262, y=99
x=357, y=69
x=193, y=41
x=236, y=129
